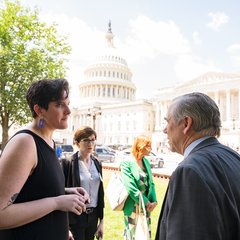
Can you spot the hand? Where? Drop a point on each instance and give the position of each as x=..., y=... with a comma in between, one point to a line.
x=150, y=206
x=71, y=203
x=99, y=232
x=85, y=194
x=70, y=236
x=79, y=191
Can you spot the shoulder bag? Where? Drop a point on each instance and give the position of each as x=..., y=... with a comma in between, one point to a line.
x=116, y=192
x=141, y=230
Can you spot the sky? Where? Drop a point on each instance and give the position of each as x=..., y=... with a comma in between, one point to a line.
x=164, y=42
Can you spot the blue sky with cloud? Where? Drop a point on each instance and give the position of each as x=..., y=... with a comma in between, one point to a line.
x=165, y=42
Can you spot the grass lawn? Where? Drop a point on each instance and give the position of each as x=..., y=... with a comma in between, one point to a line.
x=113, y=220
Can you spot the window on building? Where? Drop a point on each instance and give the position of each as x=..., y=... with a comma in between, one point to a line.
x=134, y=125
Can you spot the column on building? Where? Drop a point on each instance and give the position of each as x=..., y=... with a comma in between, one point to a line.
x=228, y=108
x=157, y=123
x=162, y=110
x=111, y=91
x=101, y=90
x=216, y=99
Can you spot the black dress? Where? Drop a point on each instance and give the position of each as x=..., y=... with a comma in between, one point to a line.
x=47, y=180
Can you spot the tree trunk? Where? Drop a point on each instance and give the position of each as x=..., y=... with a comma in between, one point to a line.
x=5, y=129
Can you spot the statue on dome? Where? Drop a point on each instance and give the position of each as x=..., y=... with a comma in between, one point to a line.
x=109, y=35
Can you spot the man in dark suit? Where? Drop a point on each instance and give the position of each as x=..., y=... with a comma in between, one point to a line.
x=203, y=197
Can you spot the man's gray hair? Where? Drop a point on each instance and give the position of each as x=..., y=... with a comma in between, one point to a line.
x=203, y=111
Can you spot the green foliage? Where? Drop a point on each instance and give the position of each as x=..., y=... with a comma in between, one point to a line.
x=113, y=220
x=29, y=50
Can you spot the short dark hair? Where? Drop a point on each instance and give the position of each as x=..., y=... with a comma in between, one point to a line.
x=44, y=91
x=83, y=132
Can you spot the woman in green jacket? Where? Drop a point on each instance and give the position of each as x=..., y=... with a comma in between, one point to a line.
x=137, y=177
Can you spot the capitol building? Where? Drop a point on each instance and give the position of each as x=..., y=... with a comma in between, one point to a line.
x=108, y=102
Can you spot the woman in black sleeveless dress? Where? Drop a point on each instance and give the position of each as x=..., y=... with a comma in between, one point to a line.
x=33, y=200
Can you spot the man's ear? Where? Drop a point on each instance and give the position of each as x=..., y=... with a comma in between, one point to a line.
x=187, y=121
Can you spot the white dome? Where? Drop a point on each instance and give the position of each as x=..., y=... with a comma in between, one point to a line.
x=108, y=78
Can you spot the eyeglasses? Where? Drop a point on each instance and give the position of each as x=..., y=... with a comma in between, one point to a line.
x=87, y=141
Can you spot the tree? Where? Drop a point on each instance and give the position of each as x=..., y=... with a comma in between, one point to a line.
x=29, y=50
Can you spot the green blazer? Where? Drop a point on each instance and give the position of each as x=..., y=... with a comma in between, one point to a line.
x=131, y=179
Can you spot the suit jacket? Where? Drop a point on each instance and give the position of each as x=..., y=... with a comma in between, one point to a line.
x=72, y=179
x=203, y=197
x=131, y=180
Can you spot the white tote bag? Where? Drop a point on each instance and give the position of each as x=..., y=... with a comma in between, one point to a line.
x=116, y=192
x=141, y=230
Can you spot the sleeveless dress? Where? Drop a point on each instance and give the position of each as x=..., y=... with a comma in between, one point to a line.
x=130, y=221
x=47, y=180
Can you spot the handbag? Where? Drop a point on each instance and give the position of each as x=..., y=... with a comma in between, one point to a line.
x=116, y=192
x=141, y=230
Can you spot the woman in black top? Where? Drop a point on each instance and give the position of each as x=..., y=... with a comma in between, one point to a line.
x=33, y=204
x=85, y=170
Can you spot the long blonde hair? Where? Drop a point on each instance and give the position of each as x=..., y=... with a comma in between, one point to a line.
x=139, y=144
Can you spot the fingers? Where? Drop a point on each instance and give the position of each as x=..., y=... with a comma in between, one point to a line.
x=81, y=198
x=80, y=191
x=148, y=204
x=84, y=193
x=151, y=206
x=79, y=209
x=78, y=204
x=82, y=204
x=149, y=209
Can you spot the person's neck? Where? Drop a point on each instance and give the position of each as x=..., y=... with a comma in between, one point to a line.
x=190, y=139
x=140, y=157
x=42, y=132
x=140, y=162
x=85, y=157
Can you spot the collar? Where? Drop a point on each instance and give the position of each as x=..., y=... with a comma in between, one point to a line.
x=191, y=146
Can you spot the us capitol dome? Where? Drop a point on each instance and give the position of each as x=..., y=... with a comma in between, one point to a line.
x=108, y=79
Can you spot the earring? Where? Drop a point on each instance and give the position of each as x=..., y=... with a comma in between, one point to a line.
x=41, y=123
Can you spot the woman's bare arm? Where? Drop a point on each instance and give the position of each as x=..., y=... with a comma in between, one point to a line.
x=17, y=162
